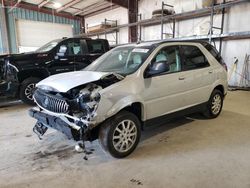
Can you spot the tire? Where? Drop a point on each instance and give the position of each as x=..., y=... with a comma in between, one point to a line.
x=215, y=104
x=123, y=144
x=26, y=90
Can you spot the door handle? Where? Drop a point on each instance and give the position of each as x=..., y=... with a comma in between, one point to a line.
x=210, y=72
x=181, y=78
x=63, y=59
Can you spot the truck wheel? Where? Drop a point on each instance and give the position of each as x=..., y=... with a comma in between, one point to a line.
x=27, y=89
x=214, y=105
x=120, y=134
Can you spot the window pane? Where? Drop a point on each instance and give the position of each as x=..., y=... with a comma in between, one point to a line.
x=171, y=56
x=193, y=58
x=95, y=46
x=73, y=48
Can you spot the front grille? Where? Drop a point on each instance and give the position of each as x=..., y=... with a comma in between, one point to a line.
x=50, y=102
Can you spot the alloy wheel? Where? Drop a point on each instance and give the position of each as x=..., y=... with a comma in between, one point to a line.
x=125, y=135
x=216, y=104
x=29, y=91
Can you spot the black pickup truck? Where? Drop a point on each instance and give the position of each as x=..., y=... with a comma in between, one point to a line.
x=20, y=72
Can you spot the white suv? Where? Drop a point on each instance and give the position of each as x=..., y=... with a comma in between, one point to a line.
x=128, y=87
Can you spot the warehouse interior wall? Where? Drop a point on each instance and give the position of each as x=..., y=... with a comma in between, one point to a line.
x=121, y=15
x=19, y=13
x=236, y=20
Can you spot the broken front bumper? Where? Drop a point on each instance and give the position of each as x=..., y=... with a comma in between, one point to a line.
x=45, y=120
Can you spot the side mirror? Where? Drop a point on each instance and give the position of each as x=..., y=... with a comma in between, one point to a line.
x=157, y=68
x=62, y=51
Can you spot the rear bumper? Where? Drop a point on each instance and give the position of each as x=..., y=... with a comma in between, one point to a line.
x=8, y=88
x=56, y=123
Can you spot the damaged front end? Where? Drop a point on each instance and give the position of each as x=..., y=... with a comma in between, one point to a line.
x=73, y=112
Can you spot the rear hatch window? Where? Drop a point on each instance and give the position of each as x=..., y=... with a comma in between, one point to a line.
x=214, y=52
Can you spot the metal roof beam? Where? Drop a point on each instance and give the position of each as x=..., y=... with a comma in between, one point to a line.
x=68, y=5
x=95, y=12
x=44, y=10
x=93, y=6
x=43, y=3
x=16, y=5
x=122, y=3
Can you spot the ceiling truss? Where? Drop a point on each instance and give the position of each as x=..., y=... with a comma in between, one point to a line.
x=44, y=2
x=92, y=9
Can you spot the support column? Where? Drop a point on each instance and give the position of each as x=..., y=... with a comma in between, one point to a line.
x=4, y=43
x=132, y=17
x=82, y=25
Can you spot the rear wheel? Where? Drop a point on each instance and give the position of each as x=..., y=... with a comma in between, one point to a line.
x=120, y=135
x=27, y=89
x=214, y=105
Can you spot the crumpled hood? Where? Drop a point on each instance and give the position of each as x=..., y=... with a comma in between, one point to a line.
x=66, y=81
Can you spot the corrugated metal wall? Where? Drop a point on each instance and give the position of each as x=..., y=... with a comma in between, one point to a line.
x=3, y=33
x=1, y=27
x=20, y=13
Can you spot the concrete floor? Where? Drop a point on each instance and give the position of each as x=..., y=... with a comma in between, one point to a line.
x=188, y=152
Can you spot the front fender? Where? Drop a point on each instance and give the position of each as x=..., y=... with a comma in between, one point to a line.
x=108, y=107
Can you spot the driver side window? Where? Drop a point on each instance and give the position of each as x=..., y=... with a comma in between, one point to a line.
x=171, y=56
x=70, y=48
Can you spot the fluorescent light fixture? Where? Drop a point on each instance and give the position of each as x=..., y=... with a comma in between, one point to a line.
x=57, y=5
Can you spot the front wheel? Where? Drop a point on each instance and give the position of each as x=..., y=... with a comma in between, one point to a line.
x=120, y=134
x=214, y=105
x=27, y=89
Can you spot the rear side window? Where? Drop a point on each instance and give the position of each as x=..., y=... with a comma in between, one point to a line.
x=74, y=48
x=193, y=58
x=95, y=46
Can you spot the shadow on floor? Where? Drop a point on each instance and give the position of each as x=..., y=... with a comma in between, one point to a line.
x=153, y=130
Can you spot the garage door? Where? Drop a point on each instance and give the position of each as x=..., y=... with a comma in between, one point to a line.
x=32, y=34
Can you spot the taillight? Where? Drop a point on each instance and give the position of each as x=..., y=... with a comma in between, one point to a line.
x=224, y=65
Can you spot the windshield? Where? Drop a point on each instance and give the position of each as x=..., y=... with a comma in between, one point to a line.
x=48, y=46
x=122, y=60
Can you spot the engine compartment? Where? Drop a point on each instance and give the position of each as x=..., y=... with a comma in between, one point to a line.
x=85, y=104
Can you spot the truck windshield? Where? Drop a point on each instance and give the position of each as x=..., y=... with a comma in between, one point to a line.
x=47, y=47
x=122, y=60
